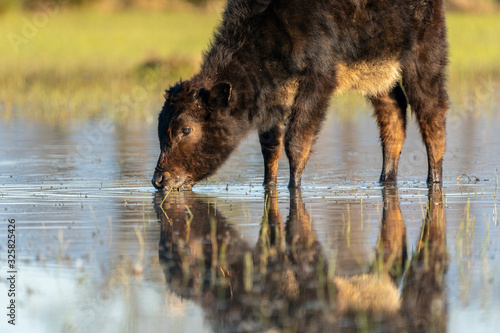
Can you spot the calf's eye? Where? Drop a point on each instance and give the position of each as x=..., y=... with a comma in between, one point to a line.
x=186, y=131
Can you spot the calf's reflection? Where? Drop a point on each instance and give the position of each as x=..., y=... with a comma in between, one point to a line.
x=283, y=281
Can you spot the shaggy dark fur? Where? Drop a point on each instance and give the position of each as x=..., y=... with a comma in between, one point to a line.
x=274, y=64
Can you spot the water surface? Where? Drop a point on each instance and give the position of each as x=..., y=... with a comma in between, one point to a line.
x=97, y=248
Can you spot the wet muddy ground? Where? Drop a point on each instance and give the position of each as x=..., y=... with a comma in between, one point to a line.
x=98, y=249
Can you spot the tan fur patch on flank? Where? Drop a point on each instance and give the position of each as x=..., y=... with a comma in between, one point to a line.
x=288, y=285
x=367, y=292
x=285, y=95
x=369, y=78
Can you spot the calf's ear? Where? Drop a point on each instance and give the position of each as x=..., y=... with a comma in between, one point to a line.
x=219, y=95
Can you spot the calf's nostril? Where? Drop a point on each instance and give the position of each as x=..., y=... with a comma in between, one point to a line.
x=157, y=179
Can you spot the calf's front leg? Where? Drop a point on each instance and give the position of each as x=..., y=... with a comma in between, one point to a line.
x=271, y=143
x=299, y=137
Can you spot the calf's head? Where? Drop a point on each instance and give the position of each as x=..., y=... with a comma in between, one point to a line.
x=197, y=134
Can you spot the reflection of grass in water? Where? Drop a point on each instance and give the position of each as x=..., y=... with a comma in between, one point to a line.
x=139, y=263
x=495, y=193
x=123, y=71
x=248, y=272
x=463, y=246
x=467, y=257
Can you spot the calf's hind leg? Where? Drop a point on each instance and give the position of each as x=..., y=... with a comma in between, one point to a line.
x=431, y=116
x=390, y=111
x=424, y=83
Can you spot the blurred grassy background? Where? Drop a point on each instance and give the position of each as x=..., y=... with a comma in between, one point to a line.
x=115, y=58
x=469, y=5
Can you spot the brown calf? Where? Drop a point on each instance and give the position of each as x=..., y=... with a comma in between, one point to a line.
x=273, y=66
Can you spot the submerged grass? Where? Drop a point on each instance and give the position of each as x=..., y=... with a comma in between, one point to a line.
x=85, y=64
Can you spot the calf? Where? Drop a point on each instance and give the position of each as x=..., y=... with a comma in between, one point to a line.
x=273, y=65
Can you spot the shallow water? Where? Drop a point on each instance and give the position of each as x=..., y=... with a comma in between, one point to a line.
x=97, y=248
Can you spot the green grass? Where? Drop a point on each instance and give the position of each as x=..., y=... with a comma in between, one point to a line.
x=474, y=43
x=474, y=57
x=83, y=64
x=97, y=40
x=86, y=63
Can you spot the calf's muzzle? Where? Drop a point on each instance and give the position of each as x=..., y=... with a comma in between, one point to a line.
x=159, y=180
